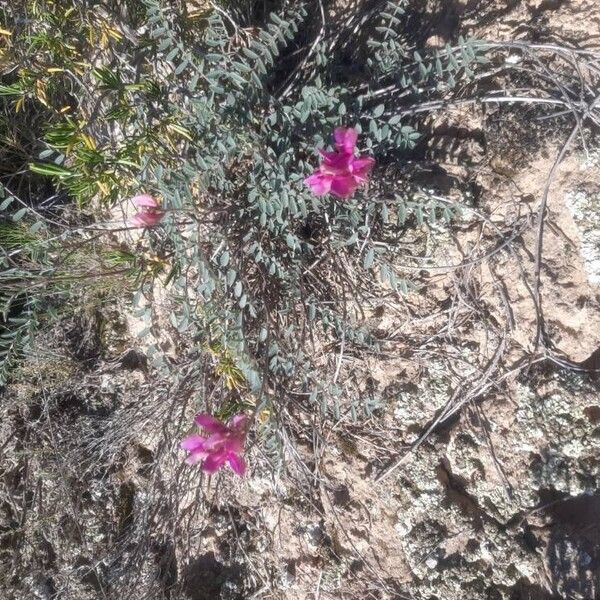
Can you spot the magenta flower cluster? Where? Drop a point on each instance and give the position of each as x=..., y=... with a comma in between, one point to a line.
x=224, y=444
x=341, y=172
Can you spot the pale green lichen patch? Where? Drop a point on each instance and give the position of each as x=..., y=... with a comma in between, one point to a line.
x=466, y=515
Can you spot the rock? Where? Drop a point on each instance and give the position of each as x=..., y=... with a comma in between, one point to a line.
x=585, y=210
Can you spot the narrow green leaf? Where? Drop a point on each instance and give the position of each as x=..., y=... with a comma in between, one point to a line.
x=50, y=170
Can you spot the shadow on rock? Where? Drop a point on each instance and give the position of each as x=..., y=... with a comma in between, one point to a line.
x=205, y=578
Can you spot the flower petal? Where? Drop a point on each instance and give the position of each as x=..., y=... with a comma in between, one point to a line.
x=214, y=461
x=343, y=187
x=195, y=458
x=345, y=139
x=239, y=422
x=329, y=155
x=361, y=166
x=319, y=184
x=335, y=163
x=146, y=219
x=209, y=423
x=234, y=442
x=193, y=443
x=145, y=201
x=196, y=445
x=237, y=463
x=216, y=441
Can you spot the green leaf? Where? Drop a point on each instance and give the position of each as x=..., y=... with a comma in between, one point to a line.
x=36, y=227
x=378, y=110
x=11, y=90
x=50, y=170
x=419, y=214
x=403, y=286
x=193, y=84
x=250, y=54
x=20, y=214
x=182, y=67
x=291, y=241
x=432, y=215
x=352, y=239
x=304, y=112
x=6, y=203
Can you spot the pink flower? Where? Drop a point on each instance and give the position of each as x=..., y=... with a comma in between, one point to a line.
x=224, y=444
x=149, y=214
x=340, y=171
